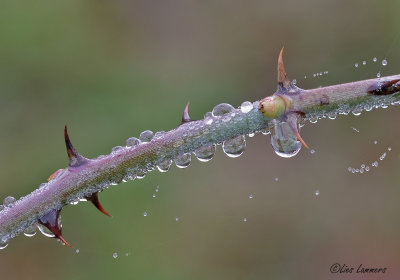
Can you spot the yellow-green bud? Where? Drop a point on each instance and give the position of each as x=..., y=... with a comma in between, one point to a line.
x=272, y=106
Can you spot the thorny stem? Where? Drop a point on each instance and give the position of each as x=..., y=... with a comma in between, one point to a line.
x=85, y=178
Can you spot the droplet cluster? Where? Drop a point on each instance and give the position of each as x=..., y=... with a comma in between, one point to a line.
x=365, y=167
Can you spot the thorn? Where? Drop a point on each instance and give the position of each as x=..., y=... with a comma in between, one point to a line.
x=75, y=159
x=283, y=80
x=292, y=121
x=51, y=221
x=185, y=117
x=94, y=198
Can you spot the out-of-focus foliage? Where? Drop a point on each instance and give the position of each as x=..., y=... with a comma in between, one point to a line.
x=111, y=69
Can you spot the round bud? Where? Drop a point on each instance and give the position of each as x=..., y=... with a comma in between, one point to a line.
x=272, y=106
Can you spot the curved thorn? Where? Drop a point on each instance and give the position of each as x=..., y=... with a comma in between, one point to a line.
x=185, y=117
x=283, y=80
x=94, y=198
x=51, y=221
x=293, y=125
x=75, y=159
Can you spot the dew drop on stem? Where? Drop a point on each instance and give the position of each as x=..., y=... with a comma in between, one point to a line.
x=234, y=147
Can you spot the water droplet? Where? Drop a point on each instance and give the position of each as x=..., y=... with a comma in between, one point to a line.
x=140, y=174
x=294, y=81
x=77, y=251
x=361, y=171
x=127, y=254
x=332, y=116
x=132, y=142
x=183, y=160
x=164, y=166
x=276, y=179
x=375, y=142
x=382, y=157
x=251, y=196
x=146, y=136
x=362, y=165
x=355, y=129
x=378, y=75
x=222, y=109
x=384, y=62
x=367, y=168
x=176, y=219
x=312, y=151
x=8, y=201
x=205, y=153
x=116, y=148
x=364, y=62
x=375, y=164
x=154, y=195
x=157, y=188
x=244, y=219
x=234, y=147
x=251, y=135
x=389, y=149
x=45, y=231
x=305, y=77
x=207, y=115
x=209, y=121
x=356, y=65
x=283, y=140
x=159, y=134
x=374, y=59
x=3, y=244
x=30, y=231
x=357, y=111
x=115, y=255
x=246, y=107
x=145, y=214
x=349, y=169
x=317, y=192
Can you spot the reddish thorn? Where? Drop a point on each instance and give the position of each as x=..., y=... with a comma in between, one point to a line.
x=51, y=221
x=292, y=121
x=94, y=198
x=185, y=117
x=63, y=240
x=75, y=159
x=283, y=79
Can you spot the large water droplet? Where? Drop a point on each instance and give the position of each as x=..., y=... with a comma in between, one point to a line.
x=246, y=107
x=132, y=142
x=283, y=140
x=234, y=147
x=164, y=166
x=146, y=136
x=159, y=134
x=183, y=160
x=222, y=109
x=30, y=231
x=8, y=201
x=205, y=153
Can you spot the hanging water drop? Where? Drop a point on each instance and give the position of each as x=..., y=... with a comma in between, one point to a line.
x=77, y=251
x=145, y=214
x=176, y=219
x=378, y=75
x=357, y=111
x=246, y=107
x=45, y=231
x=222, y=109
x=8, y=201
x=154, y=195
x=3, y=244
x=244, y=219
x=317, y=192
x=205, y=153
x=132, y=142
x=283, y=140
x=312, y=151
x=375, y=142
x=374, y=59
x=364, y=62
x=356, y=65
x=251, y=135
x=276, y=179
x=115, y=255
x=159, y=134
x=30, y=231
x=251, y=196
x=146, y=136
x=384, y=62
x=234, y=147
x=164, y=166
x=389, y=149
x=183, y=160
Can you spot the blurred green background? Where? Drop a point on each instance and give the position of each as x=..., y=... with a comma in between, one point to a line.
x=111, y=69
